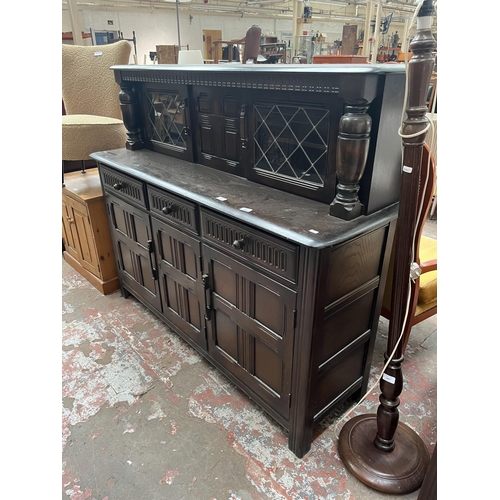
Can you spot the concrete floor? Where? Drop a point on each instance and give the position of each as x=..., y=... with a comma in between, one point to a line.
x=145, y=417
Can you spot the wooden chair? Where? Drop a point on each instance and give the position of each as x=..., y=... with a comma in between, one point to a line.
x=423, y=291
x=251, y=44
x=92, y=120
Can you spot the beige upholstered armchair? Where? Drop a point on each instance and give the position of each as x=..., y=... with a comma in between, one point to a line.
x=93, y=120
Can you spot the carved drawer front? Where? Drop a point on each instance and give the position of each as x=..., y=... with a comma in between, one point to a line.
x=123, y=186
x=269, y=252
x=171, y=208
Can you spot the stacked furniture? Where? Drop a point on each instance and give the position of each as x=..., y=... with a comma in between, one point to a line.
x=219, y=211
x=92, y=121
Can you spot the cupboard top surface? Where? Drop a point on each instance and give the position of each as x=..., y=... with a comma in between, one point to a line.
x=285, y=69
x=288, y=216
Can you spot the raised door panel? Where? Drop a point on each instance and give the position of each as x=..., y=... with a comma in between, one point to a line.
x=134, y=250
x=251, y=327
x=87, y=250
x=70, y=234
x=218, y=130
x=179, y=267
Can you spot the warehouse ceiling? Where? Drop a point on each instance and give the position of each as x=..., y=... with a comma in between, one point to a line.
x=322, y=10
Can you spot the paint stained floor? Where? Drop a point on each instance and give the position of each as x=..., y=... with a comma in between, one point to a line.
x=145, y=417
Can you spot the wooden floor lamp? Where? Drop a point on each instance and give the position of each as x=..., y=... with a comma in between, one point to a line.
x=379, y=450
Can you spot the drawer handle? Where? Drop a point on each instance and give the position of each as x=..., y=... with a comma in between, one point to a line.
x=206, y=287
x=167, y=209
x=118, y=186
x=70, y=220
x=239, y=244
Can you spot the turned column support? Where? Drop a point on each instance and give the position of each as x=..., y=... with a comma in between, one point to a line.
x=352, y=151
x=131, y=113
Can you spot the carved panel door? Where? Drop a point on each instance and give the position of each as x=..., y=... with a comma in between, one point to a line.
x=251, y=327
x=180, y=280
x=220, y=128
x=134, y=250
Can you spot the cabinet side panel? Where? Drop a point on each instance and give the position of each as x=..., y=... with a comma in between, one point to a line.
x=353, y=264
x=343, y=342
x=344, y=326
x=334, y=382
x=379, y=186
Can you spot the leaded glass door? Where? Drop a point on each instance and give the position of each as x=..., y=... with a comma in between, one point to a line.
x=167, y=122
x=292, y=146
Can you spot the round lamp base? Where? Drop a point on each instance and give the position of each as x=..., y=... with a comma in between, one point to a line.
x=398, y=472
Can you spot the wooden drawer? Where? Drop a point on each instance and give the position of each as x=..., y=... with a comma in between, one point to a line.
x=269, y=252
x=123, y=186
x=171, y=208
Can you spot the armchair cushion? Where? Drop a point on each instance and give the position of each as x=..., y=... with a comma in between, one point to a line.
x=428, y=281
x=85, y=134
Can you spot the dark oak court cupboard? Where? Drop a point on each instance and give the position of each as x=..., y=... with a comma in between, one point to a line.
x=219, y=214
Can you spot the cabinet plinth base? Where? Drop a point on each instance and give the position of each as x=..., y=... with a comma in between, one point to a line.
x=104, y=287
x=398, y=472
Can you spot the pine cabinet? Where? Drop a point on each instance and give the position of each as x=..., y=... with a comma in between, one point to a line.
x=86, y=237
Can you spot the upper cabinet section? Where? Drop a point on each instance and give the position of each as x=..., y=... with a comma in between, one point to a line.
x=276, y=125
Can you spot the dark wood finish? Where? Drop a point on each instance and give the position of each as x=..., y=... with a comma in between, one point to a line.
x=274, y=124
x=221, y=128
x=86, y=238
x=281, y=297
x=250, y=43
x=166, y=121
x=352, y=151
x=427, y=183
x=129, y=105
x=250, y=328
x=400, y=472
x=134, y=250
x=377, y=449
x=179, y=267
x=251, y=269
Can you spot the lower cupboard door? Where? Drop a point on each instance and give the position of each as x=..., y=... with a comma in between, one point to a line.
x=134, y=250
x=179, y=270
x=251, y=328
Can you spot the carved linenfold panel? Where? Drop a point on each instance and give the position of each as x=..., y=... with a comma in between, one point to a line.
x=230, y=106
x=205, y=103
x=123, y=186
x=267, y=251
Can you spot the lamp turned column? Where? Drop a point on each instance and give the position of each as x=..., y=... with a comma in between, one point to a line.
x=129, y=105
x=379, y=450
x=352, y=150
